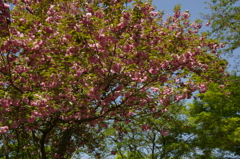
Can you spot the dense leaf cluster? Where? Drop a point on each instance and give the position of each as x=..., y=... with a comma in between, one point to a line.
x=75, y=73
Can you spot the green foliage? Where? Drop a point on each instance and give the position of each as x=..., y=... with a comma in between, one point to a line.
x=216, y=117
x=151, y=143
x=225, y=22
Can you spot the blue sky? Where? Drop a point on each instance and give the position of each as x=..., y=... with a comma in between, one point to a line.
x=194, y=6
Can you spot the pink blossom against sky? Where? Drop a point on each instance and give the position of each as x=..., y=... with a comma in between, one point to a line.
x=196, y=7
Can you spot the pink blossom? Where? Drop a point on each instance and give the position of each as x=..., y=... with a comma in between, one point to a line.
x=31, y=119
x=165, y=101
x=153, y=109
x=34, y=113
x=221, y=86
x=49, y=19
x=145, y=127
x=164, y=110
x=152, y=70
x=202, y=88
x=126, y=15
x=5, y=103
x=178, y=34
x=88, y=15
x=51, y=10
x=93, y=59
x=6, y=6
x=48, y=29
x=163, y=79
x=179, y=97
x=167, y=91
x=119, y=88
x=185, y=15
x=3, y=129
x=154, y=13
x=130, y=113
x=164, y=132
x=228, y=93
x=207, y=24
x=16, y=103
x=177, y=14
x=221, y=45
x=116, y=67
x=155, y=89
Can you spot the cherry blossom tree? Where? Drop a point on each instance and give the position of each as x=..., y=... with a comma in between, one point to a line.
x=71, y=68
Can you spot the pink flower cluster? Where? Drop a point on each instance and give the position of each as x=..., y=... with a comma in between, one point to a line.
x=3, y=129
x=4, y=18
x=164, y=132
x=202, y=87
x=145, y=127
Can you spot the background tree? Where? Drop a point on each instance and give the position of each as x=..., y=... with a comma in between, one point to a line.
x=70, y=69
x=225, y=22
x=164, y=137
x=215, y=118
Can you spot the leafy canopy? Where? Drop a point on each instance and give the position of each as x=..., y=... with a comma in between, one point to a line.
x=215, y=118
x=225, y=22
x=69, y=69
